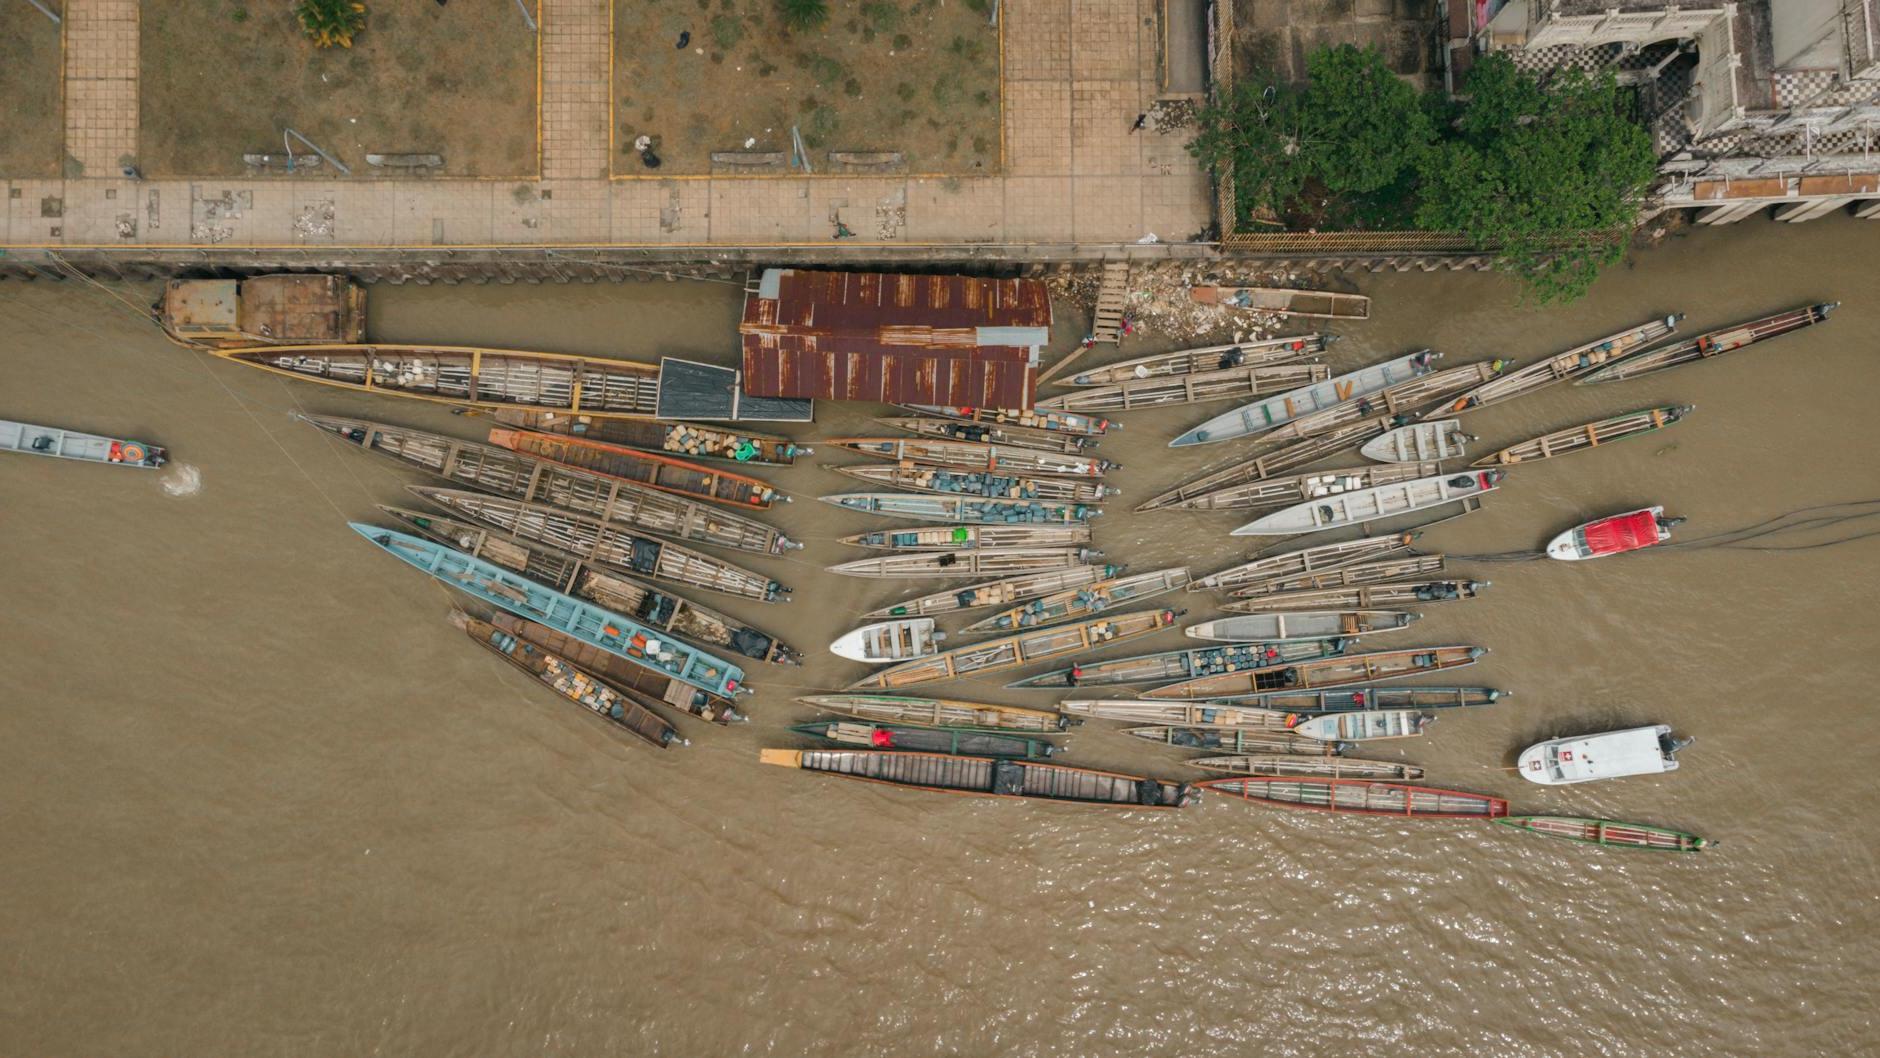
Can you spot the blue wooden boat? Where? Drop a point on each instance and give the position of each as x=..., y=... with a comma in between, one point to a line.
x=590, y=624
x=65, y=444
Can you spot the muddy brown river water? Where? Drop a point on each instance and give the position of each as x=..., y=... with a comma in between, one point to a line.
x=258, y=798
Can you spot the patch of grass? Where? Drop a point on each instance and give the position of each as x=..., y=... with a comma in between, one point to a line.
x=803, y=16
x=727, y=31
x=881, y=16
x=824, y=70
x=902, y=42
x=905, y=92
x=32, y=128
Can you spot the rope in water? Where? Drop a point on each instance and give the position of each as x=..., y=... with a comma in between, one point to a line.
x=1789, y=524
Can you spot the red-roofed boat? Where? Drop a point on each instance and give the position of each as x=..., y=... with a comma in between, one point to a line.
x=1613, y=536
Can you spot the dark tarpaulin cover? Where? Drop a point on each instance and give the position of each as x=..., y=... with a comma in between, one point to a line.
x=691, y=390
x=1622, y=532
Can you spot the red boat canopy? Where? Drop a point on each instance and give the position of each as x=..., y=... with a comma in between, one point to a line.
x=1621, y=533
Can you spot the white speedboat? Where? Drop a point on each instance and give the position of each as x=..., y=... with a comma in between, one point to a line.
x=1612, y=755
x=886, y=641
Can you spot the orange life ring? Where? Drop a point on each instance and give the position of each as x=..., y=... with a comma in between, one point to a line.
x=133, y=452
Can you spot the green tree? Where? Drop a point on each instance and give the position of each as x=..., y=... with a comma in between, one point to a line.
x=1361, y=126
x=1255, y=130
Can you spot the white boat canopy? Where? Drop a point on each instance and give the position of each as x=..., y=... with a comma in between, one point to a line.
x=1611, y=755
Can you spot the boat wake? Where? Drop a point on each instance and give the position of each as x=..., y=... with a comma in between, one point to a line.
x=181, y=479
x=1803, y=529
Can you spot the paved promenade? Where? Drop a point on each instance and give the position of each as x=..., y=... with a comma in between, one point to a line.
x=1077, y=73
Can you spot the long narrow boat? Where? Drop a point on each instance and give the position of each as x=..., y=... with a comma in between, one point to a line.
x=505, y=473
x=591, y=624
x=1277, y=628
x=1291, y=457
x=983, y=777
x=1342, y=671
x=478, y=378
x=1711, y=343
x=689, y=440
x=1396, y=401
x=927, y=538
x=648, y=685
x=1004, y=487
x=996, y=563
x=1305, y=560
x=570, y=681
x=1265, y=353
x=975, y=455
x=1285, y=764
x=1026, y=648
x=1364, y=726
x=1182, y=664
x=1397, y=567
x=990, y=433
x=964, y=509
x=90, y=448
x=1577, y=362
x=1287, y=301
x=956, y=741
x=1234, y=740
x=1261, y=416
x=1370, y=699
x=1003, y=592
x=940, y=712
x=1234, y=383
x=1081, y=602
x=1367, y=505
x=655, y=609
x=1035, y=419
x=902, y=639
x=1608, y=832
x=1364, y=597
x=599, y=542
x=1212, y=715
x=1587, y=435
x=1419, y=442
x=645, y=469
x=1312, y=486
x=1362, y=797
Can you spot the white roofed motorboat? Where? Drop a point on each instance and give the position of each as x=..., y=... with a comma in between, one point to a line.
x=1365, y=505
x=1612, y=755
x=1419, y=442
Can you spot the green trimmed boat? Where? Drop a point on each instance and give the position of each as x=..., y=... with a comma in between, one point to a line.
x=953, y=740
x=1609, y=833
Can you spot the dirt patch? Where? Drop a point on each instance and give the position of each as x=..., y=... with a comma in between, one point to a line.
x=918, y=77
x=32, y=130
x=222, y=78
x=1160, y=301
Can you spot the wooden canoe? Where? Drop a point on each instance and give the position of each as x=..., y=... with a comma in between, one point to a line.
x=963, y=509
x=1711, y=343
x=569, y=681
x=1342, y=671
x=1284, y=764
x=1365, y=725
x=1368, y=505
x=1211, y=715
x=1291, y=457
x=1396, y=401
x=1577, y=362
x=995, y=563
x=1081, y=602
x=1287, y=301
x=1587, y=435
x=1234, y=740
x=1279, y=628
x=956, y=741
x=886, y=642
x=1305, y=560
x=976, y=456
x=645, y=469
x=1608, y=832
x=1265, y=353
x=53, y=442
x=1257, y=418
x=1236, y=383
x=1419, y=442
x=1395, y=568
x=652, y=607
x=1363, y=699
x=510, y=474
x=1182, y=664
x=1026, y=648
x=982, y=777
x=602, y=544
x=925, y=538
x=940, y=712
x=1312, y=486
x=1365, y=597
x=687, y=440
x=1002, y=592
x=1035, y=419
x=1362, y=797
x=470, y=376
x=989, y=433
x=1004, y=487
x=623, y=675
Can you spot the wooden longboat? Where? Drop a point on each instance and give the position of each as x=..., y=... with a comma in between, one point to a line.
x=964, y=509
x=1363, y=597
x=1002, y=592
x=1587, y=435
x=1209, y=715
x=1081, y=602
x=1394, y=401
x=510, y=474
x=645, y=684
x=975, y=455
x=1235, y=383
x=687, y=440
x=1034, y=419
x=1182, y=664
x=1368, y=699
x=568, y=680
x=1015, y=436
x=1395, y=568
x=1284, y=764
x=902, y=639
x=1291, y=457
x=602, y=544
x=1263, y=415
x=286, y=309
x=940, y=712
x=470, y=376
x=1362, y=797
x=1026, y=648
x=1577, y=362
x=1609, y=832
x=1419, y=442
x=956, y=741
x=1367, y=725
x=1265, y=353
x=982, y=777
x=1344, y=670
x=1368, y=505
x=655, y=609
x=645, y=469
x=1287, y=301
x=1234, y=740
x=993, y=563
x=1005, y=487
x=1279, y=628
x=1711, y=343
x=1312, y=486
x=1305, y=560
x=926, y=538
x=88, y=448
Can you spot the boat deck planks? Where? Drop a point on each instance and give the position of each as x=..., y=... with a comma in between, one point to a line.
x=1587, y=435
x=1003, y=592
x=992, y=563
x=1363, y=597
x=468, y=375
x=1710, y=344
x=1341, y=671
x=1362, y=796
x=1234, y=383
x=1080, y=602
x=983, y=777
x=1026, y=648
x=646, y=469
x=1305, y=560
